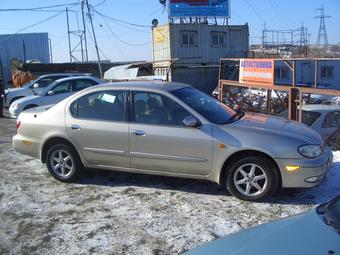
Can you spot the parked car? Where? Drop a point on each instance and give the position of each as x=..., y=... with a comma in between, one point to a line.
x=34, y=87
x=315, y=232
x=172, y=129
x=54, y=93
x=324, y=119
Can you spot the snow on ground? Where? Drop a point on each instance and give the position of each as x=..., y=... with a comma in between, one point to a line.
x=120, y=213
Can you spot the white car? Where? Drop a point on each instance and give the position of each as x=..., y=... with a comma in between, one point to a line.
x=34, y=87
x=54, y=93
x=324, y=119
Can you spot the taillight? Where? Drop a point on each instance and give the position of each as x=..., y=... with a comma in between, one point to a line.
x=17, y=124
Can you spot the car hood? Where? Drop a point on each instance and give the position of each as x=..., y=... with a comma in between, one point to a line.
x=300, y=234
x=278, y=125
x=14, y=90
x=26, y=99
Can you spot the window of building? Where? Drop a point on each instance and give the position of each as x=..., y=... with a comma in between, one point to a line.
x=327, y=72
x=281, y=73
x=218, y=39
x=103, y=105
x=189, y=38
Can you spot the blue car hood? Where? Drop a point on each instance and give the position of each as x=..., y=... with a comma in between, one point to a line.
x=300, y=234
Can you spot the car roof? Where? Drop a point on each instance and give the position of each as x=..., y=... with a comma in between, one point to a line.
x=61, y=74
x=320, y=107
x=139, y=85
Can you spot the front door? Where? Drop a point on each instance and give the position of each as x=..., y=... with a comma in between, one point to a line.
x=159, y=141
x=96, y=124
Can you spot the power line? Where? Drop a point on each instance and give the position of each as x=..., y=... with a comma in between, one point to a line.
x=255, y=11
x=122, y=41
x=121, y=21
x=101, y=3
x=277, y=10
x=39, y=8
x=40, y=22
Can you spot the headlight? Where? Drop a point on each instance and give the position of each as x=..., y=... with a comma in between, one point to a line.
x=15, y=106
x=310, y=150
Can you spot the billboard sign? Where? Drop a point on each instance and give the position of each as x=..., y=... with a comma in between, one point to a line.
x=199, y=8
x=257, y=71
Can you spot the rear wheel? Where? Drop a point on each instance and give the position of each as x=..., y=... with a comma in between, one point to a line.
x=63, y=163
x=252, y=179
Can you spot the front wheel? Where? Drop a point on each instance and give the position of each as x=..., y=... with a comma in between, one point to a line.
x=252, y=179
x=63, y=163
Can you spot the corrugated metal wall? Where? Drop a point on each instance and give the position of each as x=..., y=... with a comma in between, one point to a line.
x=204, y=78
x=30, y=46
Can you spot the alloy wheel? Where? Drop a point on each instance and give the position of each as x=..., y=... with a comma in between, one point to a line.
x=250, y=180
x=61, y=163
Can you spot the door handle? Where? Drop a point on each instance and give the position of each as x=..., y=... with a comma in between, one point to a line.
x=138, y=133
x=75, y=127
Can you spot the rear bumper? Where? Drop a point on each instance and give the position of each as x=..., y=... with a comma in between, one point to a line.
x=26, y=146
x=311, y=173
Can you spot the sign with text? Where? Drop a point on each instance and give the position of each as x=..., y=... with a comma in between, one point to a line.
x=257, y=71
x=199, y=8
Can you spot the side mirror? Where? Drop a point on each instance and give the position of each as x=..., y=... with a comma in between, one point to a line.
x=36, y=85
x=50, y=93
x=191, y=121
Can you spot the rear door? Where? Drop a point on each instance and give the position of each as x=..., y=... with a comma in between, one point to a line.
x=97, y=125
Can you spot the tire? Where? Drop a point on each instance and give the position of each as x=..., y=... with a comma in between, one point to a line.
x=252, y=178
x=29, y=106
x=63, y=163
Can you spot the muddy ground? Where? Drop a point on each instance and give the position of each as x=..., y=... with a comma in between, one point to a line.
x=119, y=213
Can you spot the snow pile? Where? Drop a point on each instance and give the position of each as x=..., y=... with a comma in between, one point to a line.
x=336, y=155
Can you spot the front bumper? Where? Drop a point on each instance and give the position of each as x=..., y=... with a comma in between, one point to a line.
x=311, y=173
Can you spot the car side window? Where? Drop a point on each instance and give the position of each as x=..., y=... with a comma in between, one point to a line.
x=82, y=84
x=61, y=88
x=332, y=120
x=152, y=108
x=102, y=105
x=309, y=117
x=43, y=83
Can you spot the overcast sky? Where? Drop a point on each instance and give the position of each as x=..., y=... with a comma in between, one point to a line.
x=122, y=42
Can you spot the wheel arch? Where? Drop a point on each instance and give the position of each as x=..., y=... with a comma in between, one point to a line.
x=52, y=141
x=246, y=153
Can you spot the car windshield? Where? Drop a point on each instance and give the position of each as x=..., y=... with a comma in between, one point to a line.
x=28, y=84
x=210, y=108
x=330, y=213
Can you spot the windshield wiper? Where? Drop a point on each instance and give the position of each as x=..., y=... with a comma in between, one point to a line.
x=239, y=114
x=329, y=213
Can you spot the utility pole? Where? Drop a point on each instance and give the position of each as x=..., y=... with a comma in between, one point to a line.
x=322, y=36
x=84, y=29
x=68, y=35
x=95, y=40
